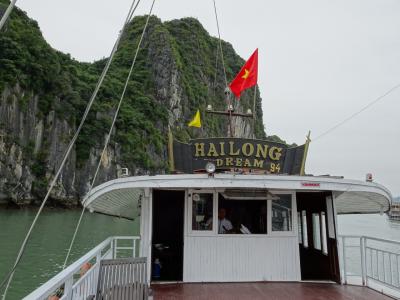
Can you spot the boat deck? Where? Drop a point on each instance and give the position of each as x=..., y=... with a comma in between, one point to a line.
x=264, y=290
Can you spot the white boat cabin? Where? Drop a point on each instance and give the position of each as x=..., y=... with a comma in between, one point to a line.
x=238, y=228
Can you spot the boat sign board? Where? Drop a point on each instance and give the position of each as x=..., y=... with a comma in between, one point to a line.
x=237, y=153
x=311, y=184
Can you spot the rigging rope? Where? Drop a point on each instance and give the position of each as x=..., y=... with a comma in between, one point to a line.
x=7, y=13
x=224, y=68
x=111, y=129
x=220, y=43
x=358, y=112
x=8, y=278
x=128, y=19
x=216, y=69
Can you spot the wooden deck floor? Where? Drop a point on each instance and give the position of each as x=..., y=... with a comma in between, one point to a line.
x=265, y=291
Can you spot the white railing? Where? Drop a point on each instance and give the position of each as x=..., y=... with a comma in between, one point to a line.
x=372, y=262
x=69, y=282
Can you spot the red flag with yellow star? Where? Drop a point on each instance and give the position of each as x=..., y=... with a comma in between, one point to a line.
x=247, y=77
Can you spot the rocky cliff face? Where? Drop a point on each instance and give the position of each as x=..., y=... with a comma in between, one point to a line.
x=43, y=94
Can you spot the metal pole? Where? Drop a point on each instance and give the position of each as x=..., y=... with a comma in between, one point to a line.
x=254, y=111
x=363, y=266
x=344, y=260
x=230, y=107
x=68, y=288
x=230, y=123
x=7, y=13
x=390, y=268
x=114, y=252
x=377, y=264
x=303, y=162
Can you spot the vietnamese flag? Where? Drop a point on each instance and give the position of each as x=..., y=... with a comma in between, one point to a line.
x=247, y=77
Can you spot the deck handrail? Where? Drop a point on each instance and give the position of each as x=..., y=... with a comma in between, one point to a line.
x=66, y=277
x=378, y=264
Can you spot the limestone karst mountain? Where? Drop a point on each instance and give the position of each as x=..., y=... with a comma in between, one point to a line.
x=43, y=93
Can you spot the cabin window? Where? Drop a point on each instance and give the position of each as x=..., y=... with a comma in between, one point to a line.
x=238, y=216
x=305, y=234
x=323, y=234
x=316, y=231
x=202, y=212
x=282, y=213
x=300, y=229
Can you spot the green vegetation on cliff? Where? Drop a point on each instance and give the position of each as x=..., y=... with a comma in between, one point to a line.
x=174, y=76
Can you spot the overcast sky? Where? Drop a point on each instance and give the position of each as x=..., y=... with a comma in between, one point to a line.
x=320, y=61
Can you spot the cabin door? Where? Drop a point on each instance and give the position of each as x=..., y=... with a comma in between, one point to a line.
x=317, y=237
x=167, y=241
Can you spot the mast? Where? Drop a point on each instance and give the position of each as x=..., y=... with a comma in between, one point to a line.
x=229, y=112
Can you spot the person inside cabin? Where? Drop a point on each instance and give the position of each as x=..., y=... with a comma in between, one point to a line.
x=224, y=225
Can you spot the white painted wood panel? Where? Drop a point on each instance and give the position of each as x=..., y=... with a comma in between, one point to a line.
x=146, y=225
x=232, y=259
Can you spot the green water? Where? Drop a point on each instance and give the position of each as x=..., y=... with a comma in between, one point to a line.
x=48, y=246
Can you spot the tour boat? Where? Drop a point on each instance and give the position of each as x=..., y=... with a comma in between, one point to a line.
x=221, y=231
x=236, y=218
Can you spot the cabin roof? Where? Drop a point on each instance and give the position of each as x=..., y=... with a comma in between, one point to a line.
x=122, y=197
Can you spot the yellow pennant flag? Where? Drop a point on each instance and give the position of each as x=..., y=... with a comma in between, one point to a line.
x=196, y=122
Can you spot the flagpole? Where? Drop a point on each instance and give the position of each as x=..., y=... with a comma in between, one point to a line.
x=254, y=110
x=230, y=107
x=230, y=123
